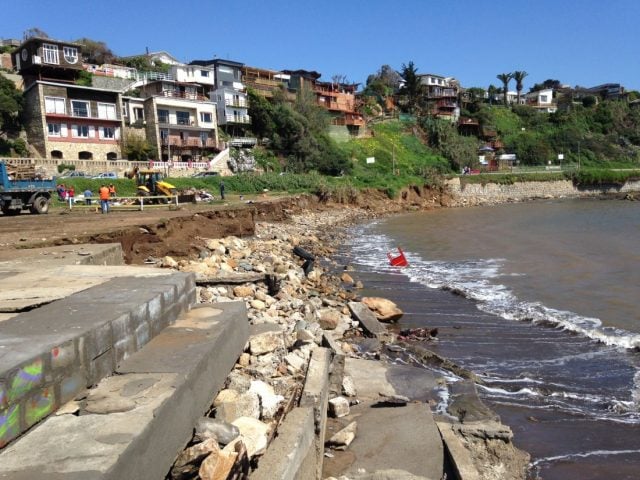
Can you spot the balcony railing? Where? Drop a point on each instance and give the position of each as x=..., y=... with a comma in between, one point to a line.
x=184, y=95
x=192, y=142
x=236, y=103
x=235, y=119
x=243, y=141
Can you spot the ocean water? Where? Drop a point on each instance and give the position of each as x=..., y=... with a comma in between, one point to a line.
x=542, y=300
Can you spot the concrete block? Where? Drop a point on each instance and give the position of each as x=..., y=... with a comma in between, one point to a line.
x=97, y=342
x=287, y=453
x=101, y=367
x=63, y=356
x=315, y=395
x=70, y=386
x=124, y=347
x=459, y=456
x=39, y=405
x=25, y=379
x=369, y=322
x=9, y=424
x=142, y=335
x=158, y=395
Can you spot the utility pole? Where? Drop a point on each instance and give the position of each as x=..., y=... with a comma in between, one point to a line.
x=578, y=154
x=393, y=158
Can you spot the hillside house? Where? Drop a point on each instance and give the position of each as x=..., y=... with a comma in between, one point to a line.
x=338, y=98
x=64, y=120
x=442, y=95
x=177, y=119
x=542, y=100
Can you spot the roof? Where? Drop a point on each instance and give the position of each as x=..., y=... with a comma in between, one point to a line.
x=216, y=61
x=50, y=40
x=304, y=73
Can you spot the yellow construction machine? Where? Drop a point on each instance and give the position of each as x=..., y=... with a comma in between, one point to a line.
x=151, y=183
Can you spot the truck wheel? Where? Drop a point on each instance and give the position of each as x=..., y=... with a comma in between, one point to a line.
x=40, y=205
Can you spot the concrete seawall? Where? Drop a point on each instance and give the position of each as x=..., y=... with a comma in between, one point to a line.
x=482, y=194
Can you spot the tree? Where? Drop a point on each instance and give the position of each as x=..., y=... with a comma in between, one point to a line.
x=136, y=147
x=35, y=32
x=10, y=106
x=549, y=83
x=492, y=91
x=505, y=78
x=411, y=87
x=95, y=51
x=519, y=76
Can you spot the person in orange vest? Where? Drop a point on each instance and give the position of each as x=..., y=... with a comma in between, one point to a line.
x=104, y=198
x=112, y=190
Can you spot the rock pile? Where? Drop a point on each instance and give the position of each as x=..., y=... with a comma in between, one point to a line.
x=291, y=313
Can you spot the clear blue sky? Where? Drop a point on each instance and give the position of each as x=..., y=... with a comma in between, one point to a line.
x=579, y=42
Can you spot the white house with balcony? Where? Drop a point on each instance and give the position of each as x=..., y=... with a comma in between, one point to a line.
x=542, y=100
x=179, y=121
x=229, y=94
x=193, y=74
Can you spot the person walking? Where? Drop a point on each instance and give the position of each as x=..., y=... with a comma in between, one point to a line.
x=104, y=198
x=87, y=196
x=221, y=189
x=112, y=191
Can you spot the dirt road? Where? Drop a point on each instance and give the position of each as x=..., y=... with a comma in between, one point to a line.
x=150, y=233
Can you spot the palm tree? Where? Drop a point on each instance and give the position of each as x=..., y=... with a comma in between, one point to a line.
x=518, y=76
x=505, y=78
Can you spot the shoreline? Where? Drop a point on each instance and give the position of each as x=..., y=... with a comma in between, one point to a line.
x=308, y=311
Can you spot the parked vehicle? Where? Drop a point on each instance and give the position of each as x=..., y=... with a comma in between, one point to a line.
x=205, y=174
x=73, y=174
x=106, y=175
x=21, y=189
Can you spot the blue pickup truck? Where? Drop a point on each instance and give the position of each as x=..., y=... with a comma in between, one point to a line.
x=20, y=193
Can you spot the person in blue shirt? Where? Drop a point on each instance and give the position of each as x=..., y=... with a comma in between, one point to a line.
x=87, y=196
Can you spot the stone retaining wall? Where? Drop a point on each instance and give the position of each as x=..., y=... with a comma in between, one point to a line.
x=491, y=193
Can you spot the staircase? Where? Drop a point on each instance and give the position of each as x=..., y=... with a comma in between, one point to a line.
x=107, y=379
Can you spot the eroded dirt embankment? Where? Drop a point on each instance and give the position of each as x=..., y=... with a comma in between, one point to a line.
x=157, y=233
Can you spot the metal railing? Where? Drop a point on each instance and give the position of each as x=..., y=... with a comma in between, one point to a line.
x=131, y=203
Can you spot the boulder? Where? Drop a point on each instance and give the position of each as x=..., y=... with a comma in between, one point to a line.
x=342, y=439
x=266, y=342
x=385, y=310
x=346, y=278
x=217, y=465
x=169, y=262
x=213, y=428
x=269, y=401
x=242, y=291
x=254, y=434
x=329, y=319
x=338, y=407
x=246, y=405
x=187, y=463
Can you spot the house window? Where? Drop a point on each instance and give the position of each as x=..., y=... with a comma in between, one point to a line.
x=50, y=53
x=54, y=105
x=81, y=131
x=163, y=116
x=182, y=118
x=70, y=54
x=54, y=129
x=138, y=113
x=205, y=117
x=123, y=108
x=204, y=73
x=107, y=132
x=543, y=98
x=80, y=108
x=107, y=110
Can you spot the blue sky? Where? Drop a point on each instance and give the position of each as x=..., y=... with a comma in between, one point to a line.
x=579, y=42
